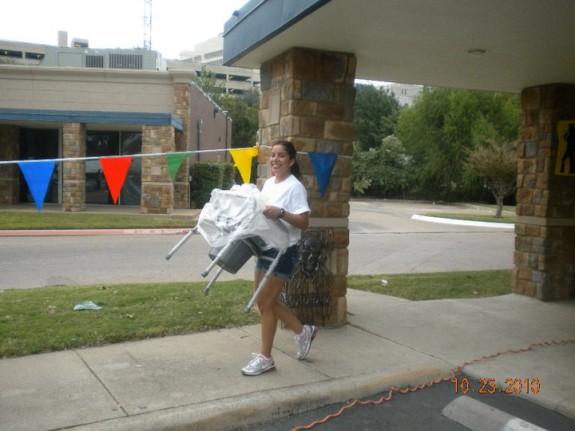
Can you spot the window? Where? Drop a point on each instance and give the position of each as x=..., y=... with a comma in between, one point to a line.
x=102, y=144
x=34, y=55
x=37, y=144
x=95, y=61
x=11, y=53
x=126, y=61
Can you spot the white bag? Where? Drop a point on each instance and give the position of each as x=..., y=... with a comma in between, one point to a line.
x=238, y=213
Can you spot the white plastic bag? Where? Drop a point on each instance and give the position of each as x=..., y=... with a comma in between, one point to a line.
x=238, y=213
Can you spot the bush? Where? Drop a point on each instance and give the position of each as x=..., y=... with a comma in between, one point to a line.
x=384, y=172
x=207, y=176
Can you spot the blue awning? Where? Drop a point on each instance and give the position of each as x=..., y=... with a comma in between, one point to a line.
x=92, y=117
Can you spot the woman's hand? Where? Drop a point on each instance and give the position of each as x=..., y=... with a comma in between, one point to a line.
x=272, y=212
x=300, y=221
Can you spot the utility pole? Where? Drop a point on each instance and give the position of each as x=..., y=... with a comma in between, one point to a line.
x=148, y=24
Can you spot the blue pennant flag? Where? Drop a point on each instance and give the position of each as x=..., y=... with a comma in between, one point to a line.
x=322, y=165
x=38, y=175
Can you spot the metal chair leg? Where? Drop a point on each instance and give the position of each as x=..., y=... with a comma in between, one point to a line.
x=206, y=289
x=264, y=281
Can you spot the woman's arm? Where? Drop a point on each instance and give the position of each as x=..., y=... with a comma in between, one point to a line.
x=300, y=221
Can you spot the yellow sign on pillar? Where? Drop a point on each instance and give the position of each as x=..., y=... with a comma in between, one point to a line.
x=566, y=151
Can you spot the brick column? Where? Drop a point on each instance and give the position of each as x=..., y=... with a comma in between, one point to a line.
x=157, y=187
x=545, y=230
x=307, y=98
x=182, y=101
x=9, y=184
x=74, y=173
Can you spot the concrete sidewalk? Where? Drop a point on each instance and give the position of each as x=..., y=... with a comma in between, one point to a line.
x=194, y=381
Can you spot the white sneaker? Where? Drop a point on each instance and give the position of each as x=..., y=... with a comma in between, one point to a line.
x=304, y=340
x=258, y=365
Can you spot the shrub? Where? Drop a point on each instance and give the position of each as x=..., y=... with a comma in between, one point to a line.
x=207, y=176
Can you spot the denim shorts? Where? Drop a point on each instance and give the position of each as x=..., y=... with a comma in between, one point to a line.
x=285, y=265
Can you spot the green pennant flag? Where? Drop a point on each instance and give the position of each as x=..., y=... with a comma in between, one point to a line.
x=174, y=162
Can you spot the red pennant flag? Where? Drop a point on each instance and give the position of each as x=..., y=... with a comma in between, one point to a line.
x=115, y=171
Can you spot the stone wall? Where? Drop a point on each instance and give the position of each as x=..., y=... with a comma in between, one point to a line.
x=74, y=172
x=545, y=231
x=9, y=137
x=307, y=98
x=182, y=101
x=157, y=187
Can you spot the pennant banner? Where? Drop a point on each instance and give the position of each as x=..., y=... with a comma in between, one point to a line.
x=38, y=176
x=322, y=165
x=174, y=162
x=243, y=161
x=115, y=171
x=38, y=173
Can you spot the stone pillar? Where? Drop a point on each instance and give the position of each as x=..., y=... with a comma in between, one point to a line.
x=157, y=187
x=545, y=230
x=182, y=101
x=9, y=145
x=307, y=98
x=74, y=173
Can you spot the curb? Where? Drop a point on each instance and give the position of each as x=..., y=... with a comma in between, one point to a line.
x=92, y=232
x=263, y=407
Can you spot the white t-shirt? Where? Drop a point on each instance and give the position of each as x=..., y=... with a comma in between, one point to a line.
x=291, y=195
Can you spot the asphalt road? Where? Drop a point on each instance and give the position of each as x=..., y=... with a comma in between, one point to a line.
x=422, y=410
x=384, y=239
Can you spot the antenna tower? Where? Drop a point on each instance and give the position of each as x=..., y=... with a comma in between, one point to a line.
x=148, y=24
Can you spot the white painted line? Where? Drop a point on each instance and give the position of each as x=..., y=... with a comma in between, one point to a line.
x=478, y=416
x=517, y=424
x=462, y=222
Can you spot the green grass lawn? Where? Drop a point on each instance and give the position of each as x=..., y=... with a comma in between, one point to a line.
x=27, y=220
x=43, y=319
x=441, y=285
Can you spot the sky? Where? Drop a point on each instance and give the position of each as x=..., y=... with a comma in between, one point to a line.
x=177, y=25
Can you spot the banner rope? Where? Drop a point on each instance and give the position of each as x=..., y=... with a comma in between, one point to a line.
x=190, y=153
x=79, y=159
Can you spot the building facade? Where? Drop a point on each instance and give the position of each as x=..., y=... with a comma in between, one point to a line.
x=209, y=55
x=62, y=112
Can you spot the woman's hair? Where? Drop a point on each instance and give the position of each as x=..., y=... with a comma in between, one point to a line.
x=290, y=149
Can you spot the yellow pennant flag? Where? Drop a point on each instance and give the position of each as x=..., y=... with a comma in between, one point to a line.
x=243, y=161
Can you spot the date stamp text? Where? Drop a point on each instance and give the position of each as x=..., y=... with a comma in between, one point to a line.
x=489, y=386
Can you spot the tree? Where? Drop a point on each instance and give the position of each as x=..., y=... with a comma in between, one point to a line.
x=243, y=109
x=375, y=116
x=496, y=163
x=383, y=172
x=208, y=82
x=443, y=125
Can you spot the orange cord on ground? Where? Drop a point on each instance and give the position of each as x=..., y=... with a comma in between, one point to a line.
x=434, y=382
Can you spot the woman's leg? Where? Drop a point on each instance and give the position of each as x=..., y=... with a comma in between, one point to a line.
x=271, y=310
x=285, y=315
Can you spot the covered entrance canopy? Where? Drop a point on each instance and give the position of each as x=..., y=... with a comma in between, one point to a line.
x=518, y=46
x=481, y=44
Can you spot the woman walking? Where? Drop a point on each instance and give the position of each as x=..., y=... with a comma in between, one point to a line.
x=285, y=199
